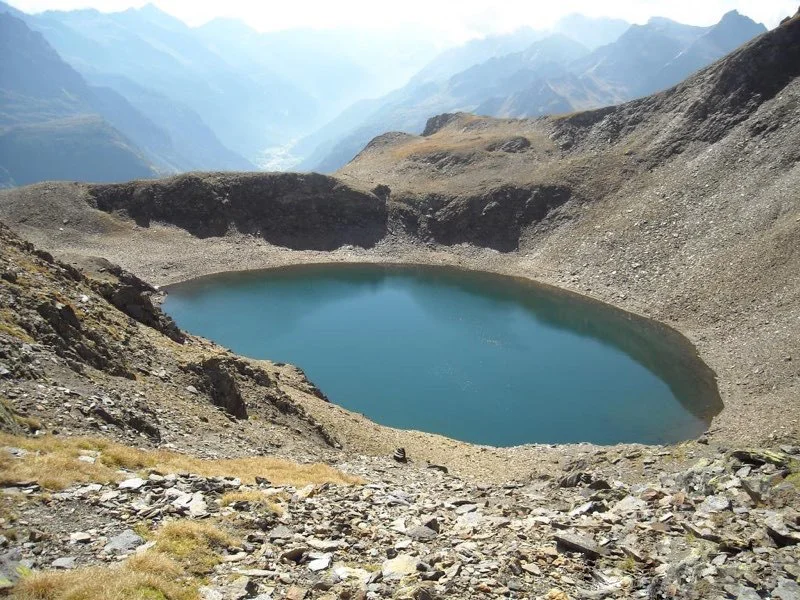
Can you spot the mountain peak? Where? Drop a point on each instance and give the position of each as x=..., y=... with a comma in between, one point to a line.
x=735, y=18
x=154, y=14
x=661, y=21
x=736, y=28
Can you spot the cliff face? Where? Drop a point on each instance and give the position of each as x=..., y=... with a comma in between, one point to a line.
x=287, y=209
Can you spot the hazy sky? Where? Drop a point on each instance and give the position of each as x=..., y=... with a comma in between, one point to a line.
x=455, y=19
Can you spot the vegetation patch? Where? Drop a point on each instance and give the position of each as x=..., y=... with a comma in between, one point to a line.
x=255, y=498
x=54, y=463
x=153, y=575
x=195, y=545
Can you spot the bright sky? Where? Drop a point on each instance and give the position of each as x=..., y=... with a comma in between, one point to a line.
x=459, y=19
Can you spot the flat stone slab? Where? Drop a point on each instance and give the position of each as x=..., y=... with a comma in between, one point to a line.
x=579, y=543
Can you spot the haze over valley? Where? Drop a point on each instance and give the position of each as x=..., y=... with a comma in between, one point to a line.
x=169, y=98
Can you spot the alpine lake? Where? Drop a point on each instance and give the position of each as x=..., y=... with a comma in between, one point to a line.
x=473, y=356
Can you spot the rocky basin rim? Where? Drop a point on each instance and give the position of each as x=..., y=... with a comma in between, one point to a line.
x=401, y=253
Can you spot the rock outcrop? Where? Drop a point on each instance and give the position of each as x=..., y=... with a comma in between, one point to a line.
x=307, y=211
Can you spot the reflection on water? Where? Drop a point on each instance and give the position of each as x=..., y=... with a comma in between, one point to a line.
x=474, y=356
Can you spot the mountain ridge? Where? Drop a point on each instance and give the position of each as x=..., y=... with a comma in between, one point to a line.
x=633, y=65
x=49, y=123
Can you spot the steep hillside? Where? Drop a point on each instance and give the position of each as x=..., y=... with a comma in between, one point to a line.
x=645, y=59
x=37, y=87
x=80, y=149
x=49, y=122
x=245, y=110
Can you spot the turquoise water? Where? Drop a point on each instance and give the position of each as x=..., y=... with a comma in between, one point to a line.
x=473, y=356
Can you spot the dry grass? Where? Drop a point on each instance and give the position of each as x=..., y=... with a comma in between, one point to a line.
x=53, y=470
x=440, y=143
x=104, y=583
x=184, y=550
x=256, y=498
x=9, y=326
x=193, y=544
x=53, y=463
x=32, y=424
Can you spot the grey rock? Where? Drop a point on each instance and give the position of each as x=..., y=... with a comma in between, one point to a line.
x=240, y=588
x=629, y=504
x=11, y=569
x=400, y=566
x=281, y=532
x=714, y=504
x=80, y=537
x=786, y=590
x=65, y=562
x=320, y=564
x=125, y=542
x=578, y=543
x=421, y=533
x=780, y=532
x=132, y=484
x=747, y=593
x=466, y=508
x=295, y=555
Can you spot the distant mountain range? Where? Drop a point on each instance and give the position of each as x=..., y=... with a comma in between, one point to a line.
x=214, y=97
x=50, y=126
x=553, y=74
x=159, y=97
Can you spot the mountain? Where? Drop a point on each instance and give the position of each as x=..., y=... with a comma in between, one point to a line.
x=190, y=145
x=49, y=123
x=591, y=32
x=173, y=137
x=644, y=59
x=732, y=31
x=336, y=67
x=505, y=74
x=454, y=60
x=246, y=109
x=77, y=149
x=409, y=108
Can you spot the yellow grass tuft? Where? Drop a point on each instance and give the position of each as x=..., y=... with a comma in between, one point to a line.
x=184, y=550
x=125, y=582
x=52, y=470
x=256, y=498
x=53, y=463
x=193, y=544
x=9, y=326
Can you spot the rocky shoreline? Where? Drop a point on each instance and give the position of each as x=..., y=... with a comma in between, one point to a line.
x=166, y=256
x=145, y=461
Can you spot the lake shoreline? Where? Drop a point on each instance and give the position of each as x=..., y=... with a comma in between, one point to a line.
x=164, y=255
x=649, y=385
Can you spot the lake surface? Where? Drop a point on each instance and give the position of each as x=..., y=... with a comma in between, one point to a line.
x=473, y=356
